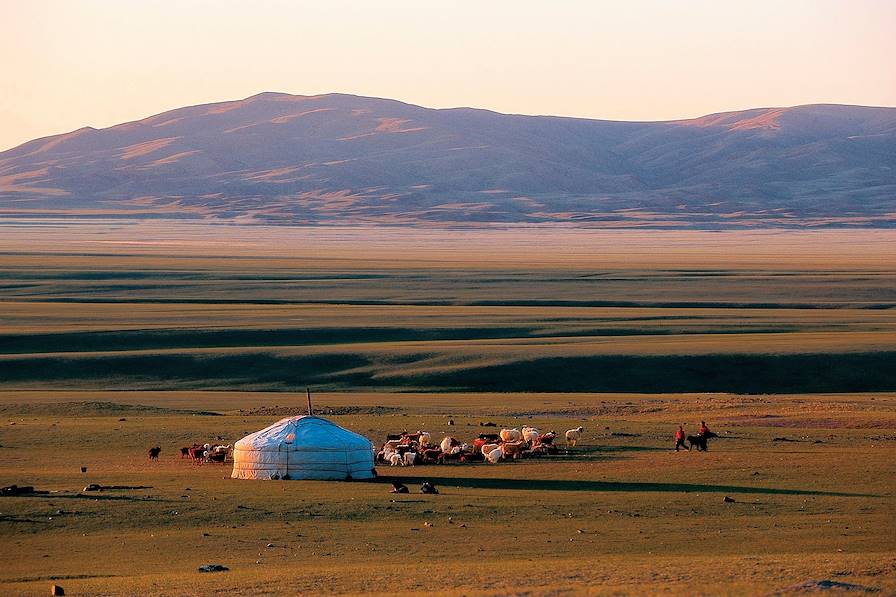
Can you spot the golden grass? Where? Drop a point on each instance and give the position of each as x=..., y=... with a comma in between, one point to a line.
x=653, y=520
x=93, y=311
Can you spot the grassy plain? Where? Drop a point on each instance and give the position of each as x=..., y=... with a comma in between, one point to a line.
x=651, y=520
x=189, y=332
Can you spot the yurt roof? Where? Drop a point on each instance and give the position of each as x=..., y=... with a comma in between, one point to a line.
x=305, y=431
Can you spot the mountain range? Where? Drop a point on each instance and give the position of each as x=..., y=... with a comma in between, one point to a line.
x=342, y=159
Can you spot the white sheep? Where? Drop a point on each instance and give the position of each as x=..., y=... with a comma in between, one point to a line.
x=489, y=448
x=513, y=449
x=511, y=435
x=448, y=443
x=530, y=433
x=425, y=438
x=573, y=435
x=395, y=459
x=495, y=455
x=409, y=458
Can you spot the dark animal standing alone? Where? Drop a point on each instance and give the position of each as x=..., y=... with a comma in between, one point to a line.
x=398, y=487
x=154, y=453
x=697, y=441
x=184, y=452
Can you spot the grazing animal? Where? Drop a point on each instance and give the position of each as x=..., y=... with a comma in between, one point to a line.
x=513, y=449
x=184, y=452
x=388, y=449
x=547, y=439
x=530, y=434
x=219, y=453
x=448, y=443
x=494, y=456
x=425, y=438
x=395, y=459
x=537, y=450
x=455, y=455
x=488, y=424
x=573, y=435
x=430, y=455
x=471, y=457
x=399, y=487
x=697, y=441
x=197, y=453
x=409, y=458
x=428, y=487
x=511, y=435
x=154, y=453
x=488, y=448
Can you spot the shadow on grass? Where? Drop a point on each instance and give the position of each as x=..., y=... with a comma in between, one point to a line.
x=609, y=486
x=588, y=450
x=739, y=373
x=96, y=497
x=600, y=453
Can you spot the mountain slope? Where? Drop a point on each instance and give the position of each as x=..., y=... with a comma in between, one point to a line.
x=346, y=159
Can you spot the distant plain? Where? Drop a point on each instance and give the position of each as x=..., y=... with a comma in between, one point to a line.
x=110, y=343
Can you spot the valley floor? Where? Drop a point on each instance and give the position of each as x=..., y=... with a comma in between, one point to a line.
x=119, y=336
x=811, y=477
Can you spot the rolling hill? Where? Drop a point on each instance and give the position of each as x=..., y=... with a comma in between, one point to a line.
x=343, y=159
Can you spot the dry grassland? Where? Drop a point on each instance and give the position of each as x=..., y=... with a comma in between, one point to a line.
x=115, y=337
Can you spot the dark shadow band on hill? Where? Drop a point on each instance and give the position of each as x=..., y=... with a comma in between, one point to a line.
x=185, y=338
x=608, y=486
x=270, y=371
x=737, y=373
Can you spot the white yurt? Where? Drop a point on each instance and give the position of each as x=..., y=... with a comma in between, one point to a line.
x=305, y=447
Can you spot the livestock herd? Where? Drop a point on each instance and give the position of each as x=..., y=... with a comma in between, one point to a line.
x=409, y=449
x=202, y=453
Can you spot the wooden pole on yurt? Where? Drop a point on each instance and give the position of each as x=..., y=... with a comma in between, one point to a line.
x=308, y=392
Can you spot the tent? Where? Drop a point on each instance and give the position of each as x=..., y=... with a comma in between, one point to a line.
x=305, y=447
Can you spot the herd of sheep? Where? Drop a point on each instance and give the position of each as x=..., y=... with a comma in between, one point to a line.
x=409, y=449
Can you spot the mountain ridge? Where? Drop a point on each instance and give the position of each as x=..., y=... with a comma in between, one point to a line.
x=341, y=158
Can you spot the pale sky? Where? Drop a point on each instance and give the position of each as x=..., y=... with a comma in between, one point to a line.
x=68, y=63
